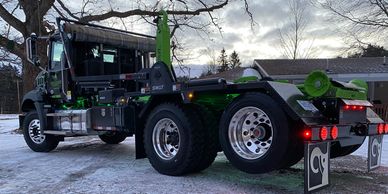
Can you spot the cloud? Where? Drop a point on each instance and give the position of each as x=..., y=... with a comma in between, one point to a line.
x=265, y=13
x=264, y=41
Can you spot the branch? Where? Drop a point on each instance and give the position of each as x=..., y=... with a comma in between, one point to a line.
x=248, y=11
x=211, y=17
x=11, y=20
x=58, y=11
x=44, y=6
x=382, y=6
x=67, y=10
x=12, y=46
x=140, y=12
x=365, y=20
x=6, y=57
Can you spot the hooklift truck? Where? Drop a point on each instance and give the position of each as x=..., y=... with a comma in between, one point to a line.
x=100, y=81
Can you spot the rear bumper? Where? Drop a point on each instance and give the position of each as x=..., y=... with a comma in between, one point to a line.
x=345, y=132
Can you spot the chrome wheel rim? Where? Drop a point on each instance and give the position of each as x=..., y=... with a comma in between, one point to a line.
x=166, y=139
x=250, y=133
x=35, y=133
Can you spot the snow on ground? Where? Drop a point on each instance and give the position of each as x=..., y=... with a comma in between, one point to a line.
x=8, y=123
x=363, y=151
x=87, y=165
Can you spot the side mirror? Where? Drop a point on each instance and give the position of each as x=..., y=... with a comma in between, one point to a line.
x=31, y=48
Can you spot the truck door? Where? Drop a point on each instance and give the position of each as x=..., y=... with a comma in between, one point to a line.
x=54, y=84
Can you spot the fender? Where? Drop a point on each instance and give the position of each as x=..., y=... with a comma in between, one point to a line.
x=33, y=95
x=290, y=99
x=36, y=97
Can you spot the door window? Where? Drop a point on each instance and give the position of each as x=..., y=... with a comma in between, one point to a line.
x=56, y=52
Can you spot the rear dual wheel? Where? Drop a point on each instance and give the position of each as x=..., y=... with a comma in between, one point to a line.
x=211, y=147
x=255, y=134
x=174, y=139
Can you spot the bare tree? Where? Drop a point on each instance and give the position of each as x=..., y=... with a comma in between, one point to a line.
x=23, y=17
x=209, y=69
x=372, y=13
x=363, y=21
x=211, y=66
x=292, y=38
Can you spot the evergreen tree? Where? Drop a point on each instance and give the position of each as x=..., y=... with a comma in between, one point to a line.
x=370, y=51
x=223, y=61
x=9, y=80
x=234, y=60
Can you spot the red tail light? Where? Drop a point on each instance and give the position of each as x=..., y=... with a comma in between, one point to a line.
x=307, y=134
x=334, y=132
x=353, y=107
x=380, y=128
x=386, y=128
x=323, y=133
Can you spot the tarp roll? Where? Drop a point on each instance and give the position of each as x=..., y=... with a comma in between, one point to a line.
x=81, y=33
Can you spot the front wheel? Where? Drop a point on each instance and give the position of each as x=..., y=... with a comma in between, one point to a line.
x=34, y=136
x=254, y=133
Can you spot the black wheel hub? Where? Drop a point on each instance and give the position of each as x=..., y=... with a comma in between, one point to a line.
x=173, y=139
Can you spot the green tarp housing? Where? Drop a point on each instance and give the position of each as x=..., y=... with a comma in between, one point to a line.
x=81, y=33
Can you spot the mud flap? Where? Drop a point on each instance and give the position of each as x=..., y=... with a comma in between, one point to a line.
x=316, y=165
x=374, y=151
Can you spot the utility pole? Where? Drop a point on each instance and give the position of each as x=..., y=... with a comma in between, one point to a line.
x=2, y=105
x=17, y=85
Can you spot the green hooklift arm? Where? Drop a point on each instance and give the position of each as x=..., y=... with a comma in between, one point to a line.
x=318, y=84
x=163, y=47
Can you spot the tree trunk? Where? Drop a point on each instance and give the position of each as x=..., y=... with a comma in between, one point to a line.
x=29, y=75
x=34, y=24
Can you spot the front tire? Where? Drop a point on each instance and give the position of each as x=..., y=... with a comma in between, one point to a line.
x=174, y=139
x=34, y=137
x=254, y=133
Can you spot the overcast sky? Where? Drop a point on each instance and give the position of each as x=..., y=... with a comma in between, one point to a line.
x=327, y=35
x=263, y=41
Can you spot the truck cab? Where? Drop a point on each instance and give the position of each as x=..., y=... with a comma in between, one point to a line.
x=86, y=65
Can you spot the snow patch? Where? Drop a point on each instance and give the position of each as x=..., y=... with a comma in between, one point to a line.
x=251, y=72
x=8, y=123
x=363, y=151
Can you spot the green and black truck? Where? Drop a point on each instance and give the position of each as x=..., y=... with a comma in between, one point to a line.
x=116, y=84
